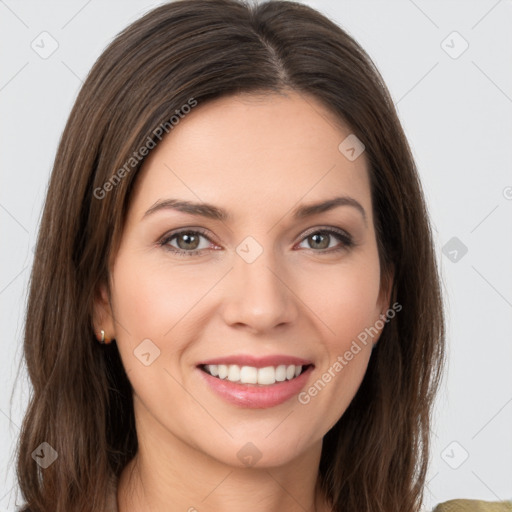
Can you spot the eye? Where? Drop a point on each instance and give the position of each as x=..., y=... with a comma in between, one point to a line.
x=188, y=242
x=321, y=238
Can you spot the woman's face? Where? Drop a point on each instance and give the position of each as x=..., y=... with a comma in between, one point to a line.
x=262, y=286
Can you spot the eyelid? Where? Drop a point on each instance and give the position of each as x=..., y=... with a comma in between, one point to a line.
x=187, y=229
x=329, y=229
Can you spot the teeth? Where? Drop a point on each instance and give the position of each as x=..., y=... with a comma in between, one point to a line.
x=281, y=373
x=233, y=373
x=222, y=369
x=251, y=375
x=248, y=375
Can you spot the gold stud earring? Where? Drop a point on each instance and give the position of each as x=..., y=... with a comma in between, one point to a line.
x=100, y=336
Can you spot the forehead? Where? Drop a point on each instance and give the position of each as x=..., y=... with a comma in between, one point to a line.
x=249, y=153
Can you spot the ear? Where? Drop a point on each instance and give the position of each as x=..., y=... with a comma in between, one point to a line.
x=384, y=300
x=385, y=290
x=103, y=318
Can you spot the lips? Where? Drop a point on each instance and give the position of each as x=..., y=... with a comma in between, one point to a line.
x=256, y=382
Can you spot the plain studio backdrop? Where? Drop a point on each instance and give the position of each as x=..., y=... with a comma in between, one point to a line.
x=448, y=66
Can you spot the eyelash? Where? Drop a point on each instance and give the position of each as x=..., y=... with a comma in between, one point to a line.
x=345, y=238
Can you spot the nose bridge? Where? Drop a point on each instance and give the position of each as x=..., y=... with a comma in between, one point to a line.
x=258, y=296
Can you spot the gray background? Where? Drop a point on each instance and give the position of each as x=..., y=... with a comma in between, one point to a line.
x=455, y=107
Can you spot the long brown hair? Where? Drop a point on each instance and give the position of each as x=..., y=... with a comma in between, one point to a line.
x=375, y=457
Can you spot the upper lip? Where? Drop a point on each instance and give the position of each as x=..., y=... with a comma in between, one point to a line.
x=257, y=362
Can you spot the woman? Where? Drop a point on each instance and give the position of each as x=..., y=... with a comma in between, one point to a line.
x=235, y=300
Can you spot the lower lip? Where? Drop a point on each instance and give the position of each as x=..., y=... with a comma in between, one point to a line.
x=257, y=396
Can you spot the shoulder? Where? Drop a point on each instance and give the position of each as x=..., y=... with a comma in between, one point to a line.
x=474, y=506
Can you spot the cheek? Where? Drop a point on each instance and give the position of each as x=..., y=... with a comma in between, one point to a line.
x=152, y=305
x=348, y=313
x=151, y=298
x=345, y=302
x=344, y=298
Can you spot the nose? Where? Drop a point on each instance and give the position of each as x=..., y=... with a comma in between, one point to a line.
x=259, y=296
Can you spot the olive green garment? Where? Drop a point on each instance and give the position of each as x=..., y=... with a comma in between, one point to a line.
x=474, y=506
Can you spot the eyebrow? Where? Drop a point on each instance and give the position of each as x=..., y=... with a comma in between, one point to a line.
x=211, y=211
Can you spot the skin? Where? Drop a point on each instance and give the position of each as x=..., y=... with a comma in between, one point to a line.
x=258, y=157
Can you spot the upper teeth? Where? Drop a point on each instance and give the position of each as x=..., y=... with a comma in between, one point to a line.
x=251, y=375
